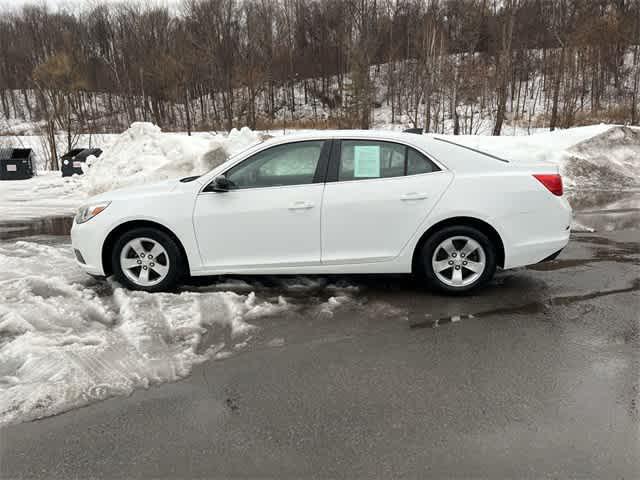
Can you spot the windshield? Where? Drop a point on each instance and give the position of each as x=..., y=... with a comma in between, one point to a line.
x=225, y=152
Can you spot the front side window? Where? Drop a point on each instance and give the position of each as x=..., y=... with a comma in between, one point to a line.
x=282, y=165
x=363, y=159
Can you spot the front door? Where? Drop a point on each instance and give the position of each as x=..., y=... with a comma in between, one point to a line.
x=270, y=216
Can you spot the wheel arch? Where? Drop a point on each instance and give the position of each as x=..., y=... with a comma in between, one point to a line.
x=112, y=237
x=481, y=225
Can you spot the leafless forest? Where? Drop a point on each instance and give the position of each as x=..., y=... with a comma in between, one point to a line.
x=217, y=64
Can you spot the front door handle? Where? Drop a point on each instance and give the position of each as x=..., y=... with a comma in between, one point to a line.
x=301, y=206
x=413, y=196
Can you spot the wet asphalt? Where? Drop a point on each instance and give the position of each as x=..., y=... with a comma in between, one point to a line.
x=536, y=375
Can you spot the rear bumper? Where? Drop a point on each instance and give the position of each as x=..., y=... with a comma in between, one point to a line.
x=530, y=253
x=537, y=235
x=552, y=257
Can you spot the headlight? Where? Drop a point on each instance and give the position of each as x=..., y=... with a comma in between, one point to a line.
x=87, y=212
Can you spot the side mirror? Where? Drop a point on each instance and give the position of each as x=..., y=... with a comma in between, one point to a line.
x=219, y=184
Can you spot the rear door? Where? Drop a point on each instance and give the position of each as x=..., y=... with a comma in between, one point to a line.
x=377, y=194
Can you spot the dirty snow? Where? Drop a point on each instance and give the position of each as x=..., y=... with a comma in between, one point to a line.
x=610, y=159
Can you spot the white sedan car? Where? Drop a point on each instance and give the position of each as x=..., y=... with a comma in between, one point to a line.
x=341, y=202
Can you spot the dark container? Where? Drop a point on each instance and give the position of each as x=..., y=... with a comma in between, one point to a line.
x=17, y=163
x=71, y=162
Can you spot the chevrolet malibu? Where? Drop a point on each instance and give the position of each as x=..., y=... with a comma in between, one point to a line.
x=341, y=202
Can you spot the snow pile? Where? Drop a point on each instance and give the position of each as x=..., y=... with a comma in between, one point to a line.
x=66, y=340
x=602, y=156
x=144, y=154
x=541, y=146
x=611, y=159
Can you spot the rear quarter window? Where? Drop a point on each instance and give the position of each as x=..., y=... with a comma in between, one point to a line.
x=417, y=163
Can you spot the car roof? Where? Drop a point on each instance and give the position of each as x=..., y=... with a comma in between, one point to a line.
x=328, y=134
x=418, y=141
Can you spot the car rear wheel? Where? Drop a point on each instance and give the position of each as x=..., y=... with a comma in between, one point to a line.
x=147, y=259
x=458, y=259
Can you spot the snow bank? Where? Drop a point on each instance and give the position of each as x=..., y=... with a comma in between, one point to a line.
x=602, y=156
x=608, y=160
x=541, y=146
x=67, y=340
x=145, y=154
x=142, y=154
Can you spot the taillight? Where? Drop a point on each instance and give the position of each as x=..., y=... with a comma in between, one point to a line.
x=553, y=182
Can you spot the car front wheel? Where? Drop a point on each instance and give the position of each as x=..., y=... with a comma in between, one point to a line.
x=147, y=259
x=458, y=259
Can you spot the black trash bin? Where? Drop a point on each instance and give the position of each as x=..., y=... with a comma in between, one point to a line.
x=71, y=162
x=17, y=163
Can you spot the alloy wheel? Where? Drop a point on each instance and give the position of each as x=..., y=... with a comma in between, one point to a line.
x=459, y=261
x=144, y=261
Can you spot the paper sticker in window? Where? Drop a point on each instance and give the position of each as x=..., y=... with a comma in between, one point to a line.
x=366, y=159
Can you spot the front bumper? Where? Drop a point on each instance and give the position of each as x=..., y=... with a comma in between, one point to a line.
x=87, y=240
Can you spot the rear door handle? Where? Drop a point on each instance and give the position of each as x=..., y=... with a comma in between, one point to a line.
x=301, y=206
x=413, y=196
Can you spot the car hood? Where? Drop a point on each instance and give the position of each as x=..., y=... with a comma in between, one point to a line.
x=163, y=187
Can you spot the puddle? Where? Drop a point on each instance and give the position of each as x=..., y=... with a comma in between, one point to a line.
x=56, y=226
x=602, y=255
x=527, y=308
x=604, y=250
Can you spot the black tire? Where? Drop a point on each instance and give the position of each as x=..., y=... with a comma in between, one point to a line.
x=433, y=242
x=175, y=264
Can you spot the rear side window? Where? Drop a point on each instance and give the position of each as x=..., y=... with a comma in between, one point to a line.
x=364, y=159
x=418, y=163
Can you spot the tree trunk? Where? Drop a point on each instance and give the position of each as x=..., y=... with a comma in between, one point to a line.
x=556, y=91
x=188, y=110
